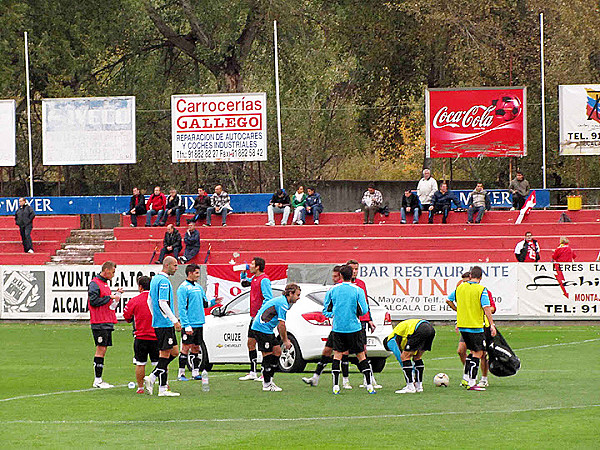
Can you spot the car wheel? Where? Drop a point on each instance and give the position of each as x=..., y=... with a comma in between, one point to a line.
x=291, y=360
x=378, y=364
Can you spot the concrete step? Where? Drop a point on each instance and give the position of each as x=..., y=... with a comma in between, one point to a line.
x=96, y=247
x=71, y=260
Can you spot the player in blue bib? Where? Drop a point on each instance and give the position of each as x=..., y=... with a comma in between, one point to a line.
x=271, y=315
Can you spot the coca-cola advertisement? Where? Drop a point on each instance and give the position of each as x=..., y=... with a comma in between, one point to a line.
x=476, y=122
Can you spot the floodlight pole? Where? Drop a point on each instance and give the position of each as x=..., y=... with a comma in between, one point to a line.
x=29, y=116
x=278, y=104
x=543, y=99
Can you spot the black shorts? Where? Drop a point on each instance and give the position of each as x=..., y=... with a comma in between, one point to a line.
x=266, y=342
x=474, y=341
x=329, y=342
x=421, y=339
x=196, y=338
x=352, y=342
x=142, y=348
x=102, y=338
x=250, y=330
x=166, y=338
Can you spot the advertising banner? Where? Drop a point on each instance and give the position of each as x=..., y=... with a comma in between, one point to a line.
x=7, y=133
x=421, y=290
x=79, y=131
x=565, y=290
x=223, y=281
x=60, y=292
x=219, y=127
x=579, y=111
x=476, y=122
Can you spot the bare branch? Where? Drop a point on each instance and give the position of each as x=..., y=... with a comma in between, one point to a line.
x=254, y=21
x=197, y=29
x=187, y=46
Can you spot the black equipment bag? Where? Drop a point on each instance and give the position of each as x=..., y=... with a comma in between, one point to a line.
x=502, y=359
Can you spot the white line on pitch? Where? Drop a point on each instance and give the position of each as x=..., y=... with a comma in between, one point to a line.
x=290, y=419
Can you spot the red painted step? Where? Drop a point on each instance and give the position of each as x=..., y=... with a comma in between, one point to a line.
x=15, y=259
x=45, y=222
x=54, y=234
x=38, y=246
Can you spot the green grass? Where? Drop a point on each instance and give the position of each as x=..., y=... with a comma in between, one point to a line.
x=553, y=402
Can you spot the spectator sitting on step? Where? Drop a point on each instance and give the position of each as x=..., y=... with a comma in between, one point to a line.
x=137, y=206
x=191, y=239
x=442, y=202
x=371, y=201
x=298, y=205
x=155, y=206
x=410, y=204
x=220, y=204
x=563, y=253
x=478, y=202
x=279, y=203
x=426, y=187
x=201, y=204
x=175, y=207
x=171, y=243
x=519, y=188
x=314, y=206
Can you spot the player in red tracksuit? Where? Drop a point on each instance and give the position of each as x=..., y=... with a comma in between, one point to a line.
x=102, y=304
x=260, y=292
x=145, y=344
x=365, y=320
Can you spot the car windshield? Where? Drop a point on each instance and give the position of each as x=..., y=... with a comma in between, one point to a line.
x=319, y=297
x=241, y=304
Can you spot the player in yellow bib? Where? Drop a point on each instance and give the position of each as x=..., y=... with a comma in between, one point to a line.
x=409, y=340
x=472, y=307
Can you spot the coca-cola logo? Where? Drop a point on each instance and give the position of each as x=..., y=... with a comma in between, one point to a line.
x=477, y=116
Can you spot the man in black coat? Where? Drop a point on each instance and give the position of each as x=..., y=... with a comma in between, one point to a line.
x=201, y=204
x=171, y=243
x=175, y=207
x=191, y=239
x=24, y=219
x=137, y=206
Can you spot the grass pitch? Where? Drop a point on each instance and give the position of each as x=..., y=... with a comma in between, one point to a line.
x=46, y=399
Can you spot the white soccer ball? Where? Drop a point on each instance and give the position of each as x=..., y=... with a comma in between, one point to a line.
x=441, y=379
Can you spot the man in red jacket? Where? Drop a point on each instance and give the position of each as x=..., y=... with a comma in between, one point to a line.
x=102, y=304
x=155, y=207
x=145, y=344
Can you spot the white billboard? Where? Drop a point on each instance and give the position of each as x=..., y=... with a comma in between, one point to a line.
x=579, y=110
x=95, y=130
x=7, y=133
x=219, y=127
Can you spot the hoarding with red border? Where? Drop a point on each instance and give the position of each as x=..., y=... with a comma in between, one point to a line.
x=476, y=122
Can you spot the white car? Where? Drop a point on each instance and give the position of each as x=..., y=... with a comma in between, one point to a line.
x=226, y=331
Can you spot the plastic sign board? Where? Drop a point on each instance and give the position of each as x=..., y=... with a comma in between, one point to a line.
x=476, y=122
x=78, y=131
x=579, y=111
x=7, y=133
x=219, y=127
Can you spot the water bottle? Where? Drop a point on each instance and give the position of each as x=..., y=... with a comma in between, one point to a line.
x=205, y=385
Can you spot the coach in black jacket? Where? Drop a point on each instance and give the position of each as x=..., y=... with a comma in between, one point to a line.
x=171, y=243
x=137, y=206
x=24, y=219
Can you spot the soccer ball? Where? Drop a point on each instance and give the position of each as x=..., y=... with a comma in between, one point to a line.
x=507, y=107
x=441, y=379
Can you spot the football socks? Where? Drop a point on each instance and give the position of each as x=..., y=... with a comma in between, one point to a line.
x=335, y=370
x=365, y=368
x=98, y=366
x=345, y=366
x=253, y=360
x=322, y=363
x=407, y=368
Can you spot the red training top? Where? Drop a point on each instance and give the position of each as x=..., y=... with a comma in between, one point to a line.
x=138, y=312
x=102, y=314
x=563, y=253
x=361, y=284
x=256, y=296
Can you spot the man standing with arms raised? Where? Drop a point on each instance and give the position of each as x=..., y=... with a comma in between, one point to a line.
x=260, y=292
x=165, y=324
x=102, y=304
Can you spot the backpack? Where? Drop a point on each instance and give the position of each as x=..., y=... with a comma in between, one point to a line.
x=502, y=359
